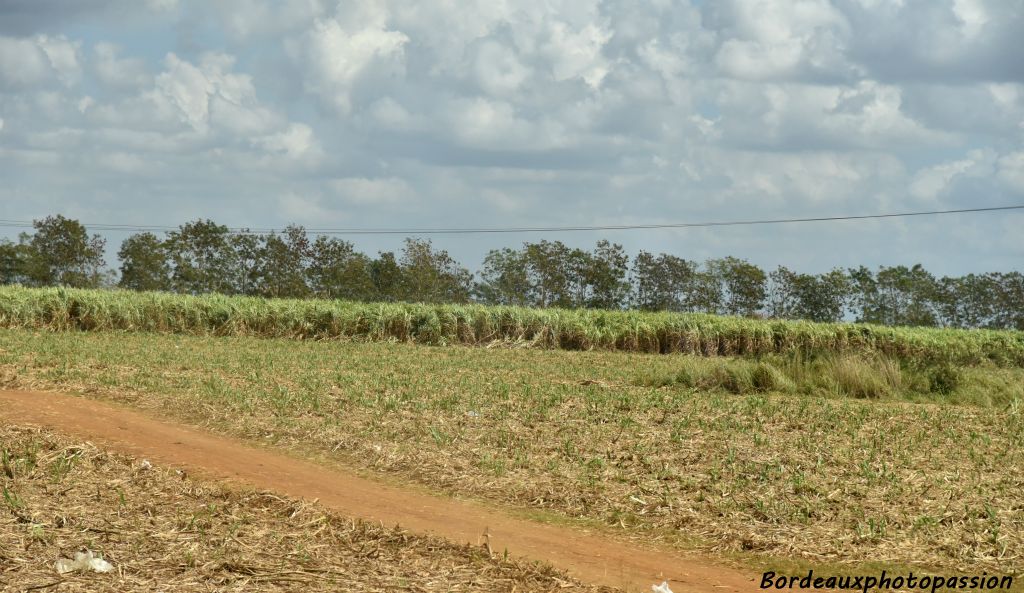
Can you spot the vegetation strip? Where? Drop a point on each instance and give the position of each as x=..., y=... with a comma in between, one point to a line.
x=76, y=309
x=202, y=257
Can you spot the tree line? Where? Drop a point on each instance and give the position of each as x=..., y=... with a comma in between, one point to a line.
x=204, y=257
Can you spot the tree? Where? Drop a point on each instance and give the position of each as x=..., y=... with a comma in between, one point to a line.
x=386, y=277
x=606, y=276
x=432, y=276
x=337, y=271
x=505, y=279
x=282, y=264
x=664, y=283
x=1009, y=305
x=203, y=258
x=247, y=252
x=782, y=299
x=822, y=297
x=13, y=262
x=743, y=285
x=61, y=253
x=907, y=295
x=895, y=296
x=864, y=295
x=549, y=273
x=144, y=264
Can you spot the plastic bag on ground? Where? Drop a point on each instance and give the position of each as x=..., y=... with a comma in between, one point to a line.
x=83, y=561
x=662, y=588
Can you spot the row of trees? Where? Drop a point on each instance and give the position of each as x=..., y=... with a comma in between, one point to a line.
x=203, y=257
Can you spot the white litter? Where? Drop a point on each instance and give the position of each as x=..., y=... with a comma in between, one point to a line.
x=473, y=414
x=146, y=464
x=662, y=588
x=83, y=561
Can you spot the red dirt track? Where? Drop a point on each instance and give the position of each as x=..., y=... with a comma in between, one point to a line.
x=586, y=556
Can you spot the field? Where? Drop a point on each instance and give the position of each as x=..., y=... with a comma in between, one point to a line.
x=900, y=448
x=165, y=532
x=581, y=435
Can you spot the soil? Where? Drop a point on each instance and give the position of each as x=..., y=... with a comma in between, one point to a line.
x=587, y=556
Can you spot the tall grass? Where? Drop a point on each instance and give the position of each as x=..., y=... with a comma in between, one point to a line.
x=60, y=309
x=846, y=375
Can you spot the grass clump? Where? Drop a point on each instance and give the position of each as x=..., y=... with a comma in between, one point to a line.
x=740, y=376
x=860, y=376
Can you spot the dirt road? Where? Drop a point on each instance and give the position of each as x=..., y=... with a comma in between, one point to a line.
x=588, y=557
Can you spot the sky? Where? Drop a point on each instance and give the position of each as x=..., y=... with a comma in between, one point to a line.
x=495, y=113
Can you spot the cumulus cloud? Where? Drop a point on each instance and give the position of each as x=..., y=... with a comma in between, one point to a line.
x=577, y=53
x=39, y=60
x=963, y=40
x=1011, y=170
x=934, y=181
x=115, y=71
x=208, y=96
x=781, y=39
x=498, y=69
x=295, y=142
x=247, y=19
x=324, y=110
x=361, y=190
x=337, y=52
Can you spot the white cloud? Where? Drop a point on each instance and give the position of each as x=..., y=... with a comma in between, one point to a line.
x=295, y=142
x=63, y=57
x=498, y=69
x=29, y=62
x=577, y=53
x=247, y=19
x=485, y=123
x=794, y=115
x=115, y=71
x=973, y=16
x=362, y=190
x=934, y=181
x=558, y=109
x=61, y=138
x=772, y=39
x=162, y=5
x=392, y=115
x=336, y=57
x=209, y=95
x=1011, y=170
x=801, y=179
x=122, y=162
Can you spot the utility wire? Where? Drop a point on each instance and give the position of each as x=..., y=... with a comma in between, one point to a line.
x=553, y=229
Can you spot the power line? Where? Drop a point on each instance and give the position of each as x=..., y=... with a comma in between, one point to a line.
x=554, y=229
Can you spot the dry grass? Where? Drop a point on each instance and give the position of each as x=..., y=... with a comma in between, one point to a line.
x=825, y=478
x=165, y=532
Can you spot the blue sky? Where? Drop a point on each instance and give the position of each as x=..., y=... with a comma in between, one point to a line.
x=530, y=113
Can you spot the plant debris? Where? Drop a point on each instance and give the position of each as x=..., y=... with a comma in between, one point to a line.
x=173, y=534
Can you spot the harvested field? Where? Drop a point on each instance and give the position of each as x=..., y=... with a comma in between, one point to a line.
x=163, y=531
x=596, y=439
